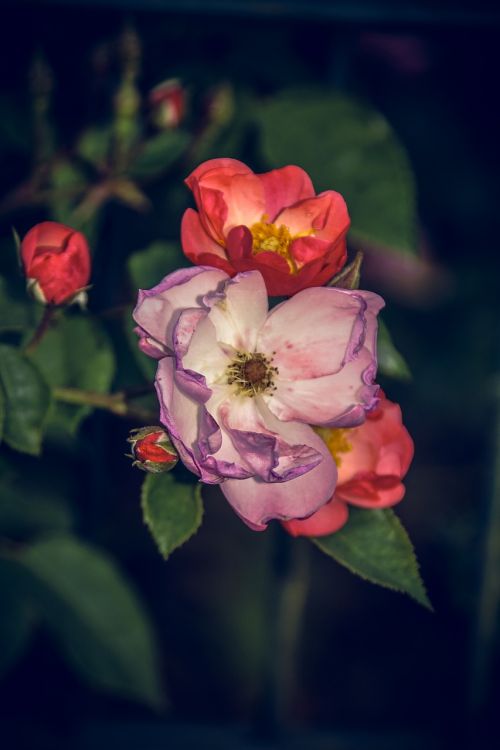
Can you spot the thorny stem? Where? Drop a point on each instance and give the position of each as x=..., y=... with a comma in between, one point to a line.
x=43, y=327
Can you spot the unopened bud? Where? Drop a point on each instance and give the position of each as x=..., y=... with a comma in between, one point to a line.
x=152, y=450
x=168, y=104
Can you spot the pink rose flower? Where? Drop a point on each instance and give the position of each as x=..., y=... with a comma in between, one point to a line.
x=56, y=261
x=238, y=386
x=273, y=222
x=371, y=459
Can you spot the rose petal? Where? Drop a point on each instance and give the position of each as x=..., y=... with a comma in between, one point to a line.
x=263, y=442
x=337, y=400
x=325, y=215
x=257, y=502
x=317, y=331
x=238, y=312
x=197, y=243
x=284, y=187
x=328, y=519
x=158, y=309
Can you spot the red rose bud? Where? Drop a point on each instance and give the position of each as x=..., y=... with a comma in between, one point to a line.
x=56, y=261
x=152, y=450
x=168, y=104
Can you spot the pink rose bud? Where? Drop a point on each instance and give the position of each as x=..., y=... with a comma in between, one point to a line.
x=152, y=450
x=56, y=261
x=168, y=104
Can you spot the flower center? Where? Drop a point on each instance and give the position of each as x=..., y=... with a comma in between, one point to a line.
x=272, y=238
x=336, y=441
x=251, y=374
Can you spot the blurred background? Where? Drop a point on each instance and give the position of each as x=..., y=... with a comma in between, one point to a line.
x=392, y=104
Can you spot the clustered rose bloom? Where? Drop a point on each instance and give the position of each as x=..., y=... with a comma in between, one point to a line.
x=371, y=459
x=272, y=222
x=239, y=386
x=56, y=261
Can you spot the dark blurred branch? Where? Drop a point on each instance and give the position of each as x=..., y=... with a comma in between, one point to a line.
x=289, y=581
x=115, y=403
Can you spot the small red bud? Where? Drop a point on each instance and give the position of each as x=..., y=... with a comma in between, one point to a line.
x=56, y=261
x=168, y=104
x=152, y=449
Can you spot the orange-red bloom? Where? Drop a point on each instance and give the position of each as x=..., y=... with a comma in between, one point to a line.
x=372, y=459
x=272, y=222
x=56, y=261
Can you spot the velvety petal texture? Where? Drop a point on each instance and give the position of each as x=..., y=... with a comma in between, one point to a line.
x=57, y=259
x=224, y=365
x=273, y=222
x=372, y=460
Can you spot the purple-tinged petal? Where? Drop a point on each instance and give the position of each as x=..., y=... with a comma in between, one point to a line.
x=158, y=309
x=149, y=346
x=239, y=315
x=257, y=502
x=204, y=353
x=263, y=442
x=316, y=331
x=338, y=400
x=185, y=421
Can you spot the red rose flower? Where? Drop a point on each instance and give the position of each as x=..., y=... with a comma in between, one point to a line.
x=56, y=261
x=371, y=459
x=273, y=222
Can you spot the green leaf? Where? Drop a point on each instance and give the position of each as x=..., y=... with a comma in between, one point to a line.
x=94, y=145
x=2, y=413
x=347, y=146
x=15, y=314
x=27, y=401
x=32, y=502
x=171, y=511
x=374, y=545
x=148, y=267
x=390, y=361
x=76, y=353
x=17, y=617
x=159, y=153
x=98, y=620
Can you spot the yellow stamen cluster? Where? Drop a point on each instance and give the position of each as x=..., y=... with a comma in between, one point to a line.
x=269, y=237
x=251, y=374
x=335, y=440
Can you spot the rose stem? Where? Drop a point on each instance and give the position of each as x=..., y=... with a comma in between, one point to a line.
x=286, y=600
x=112, y=402
x=43, y=327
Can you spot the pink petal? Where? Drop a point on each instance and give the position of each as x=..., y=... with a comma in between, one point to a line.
x=284, y=187
x=328, y=519
x=326, y=215
x=340, y=399
x=257, y=502
x=242, y=195
x=237, y=167
x=315, y=332
x=195, y=239
x=187, y=422
x=238, y=312
x=158, y=309
x=265, y=444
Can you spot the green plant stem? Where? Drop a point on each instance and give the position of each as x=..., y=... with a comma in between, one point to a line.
x=43, y=327
x=287, y=598
x=115, y=403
